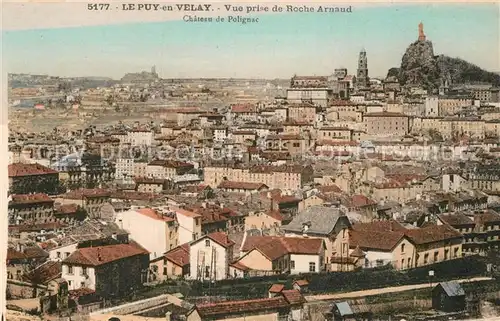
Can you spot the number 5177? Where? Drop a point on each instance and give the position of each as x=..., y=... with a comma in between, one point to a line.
x=98, y=6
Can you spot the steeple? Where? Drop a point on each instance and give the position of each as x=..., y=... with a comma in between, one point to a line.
x=421, y=35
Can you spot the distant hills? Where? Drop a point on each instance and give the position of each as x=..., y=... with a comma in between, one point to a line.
x=420, y=67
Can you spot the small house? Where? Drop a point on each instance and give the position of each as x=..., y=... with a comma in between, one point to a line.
x=275, y=290
x=301, y=285
x=343, y=311
x=448, y=297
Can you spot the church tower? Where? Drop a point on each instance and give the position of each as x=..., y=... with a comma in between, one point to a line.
x=362, y=75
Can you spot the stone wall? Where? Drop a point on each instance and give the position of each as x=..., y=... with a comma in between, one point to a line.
x=23, y=290
x=133, y=307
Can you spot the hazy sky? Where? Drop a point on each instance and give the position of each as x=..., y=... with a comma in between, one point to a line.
x=279, y=46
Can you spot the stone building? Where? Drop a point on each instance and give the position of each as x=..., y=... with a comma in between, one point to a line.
x=386, y=124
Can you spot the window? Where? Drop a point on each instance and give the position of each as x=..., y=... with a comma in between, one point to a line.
x=207, y=243
x=84, y=270
x=426, y=258
x=436, y=256
x=402, y=248
x=70, y=269
x=292, y=264
x=69, y=283
x=58, y=255
x=207, y=271
x=446, y=254
x=66, y=254
x=455, y=252
x=164, y=270
x=312, y=267
x=82, y=284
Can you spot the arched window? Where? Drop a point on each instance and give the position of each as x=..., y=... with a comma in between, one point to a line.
x=402, y=248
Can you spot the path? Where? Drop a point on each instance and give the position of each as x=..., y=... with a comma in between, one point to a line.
x=394, y=289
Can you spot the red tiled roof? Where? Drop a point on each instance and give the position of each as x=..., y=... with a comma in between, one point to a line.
x=329, y=189
x=239, y=266
x=88, y=193
x=179, y=255
x=239, y=307
x=380, y=226
x=133, y=195
x=293, y=297
x=456, y=219
x=154, y=215
x=432, y=234
x=221, y=238
x=95, y=256
x=66, y=209
x=276, y=288
x=244, y=108
x=275, y=214
x=488, y=216
x=361, y=201
x=274, y=247
x=384, y=114
x=30, y=198
x=13, y=254
x=286, y=199
x=376, y=240
x=328, y=142
x=241, y=185
x=20, y=169
x=148, y=180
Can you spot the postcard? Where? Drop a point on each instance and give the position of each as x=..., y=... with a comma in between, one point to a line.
x=264, y=161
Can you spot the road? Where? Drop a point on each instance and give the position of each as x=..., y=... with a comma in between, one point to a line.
x=394, y=289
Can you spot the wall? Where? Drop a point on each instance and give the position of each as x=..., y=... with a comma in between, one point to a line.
x=76, y=278
x=302, y=263
x=187, y=226
x=150, y=233
x=133, y=307
x=63, y=250
x=256, y=261
x=23, y=290
x=202, y=256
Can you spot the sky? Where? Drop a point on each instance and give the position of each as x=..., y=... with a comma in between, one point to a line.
x=279, y=46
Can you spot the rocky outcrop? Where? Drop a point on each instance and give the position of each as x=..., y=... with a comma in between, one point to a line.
x=420, y=67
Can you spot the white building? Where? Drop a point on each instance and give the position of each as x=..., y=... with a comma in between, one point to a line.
x=124, y=169
x=210, y=256
x=189, y=225
x=318, y=96
x=155, y=232
x=140, y=137
x=431, y=107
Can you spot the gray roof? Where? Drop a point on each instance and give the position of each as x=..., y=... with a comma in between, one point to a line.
x=452, y=288
x=344, y=308
x=323, y=220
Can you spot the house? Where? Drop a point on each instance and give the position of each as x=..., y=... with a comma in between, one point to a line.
x=287, y=306
x=301, y=285
x=328, y=223
x=263, y=220
x=277, y=255
x=189, y=225
x=448, y=297
x=210, y=256
x=172, y=265
x=32, y=178
x=156, y=232
x=241, y=187
x=111, y=270
x=343, y=311
x=30, y=208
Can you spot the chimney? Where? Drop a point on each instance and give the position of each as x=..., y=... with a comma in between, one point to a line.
x=168, y=316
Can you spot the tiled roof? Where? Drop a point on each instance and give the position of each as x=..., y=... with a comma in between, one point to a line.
x=170, y=164
x=274, y=247
x=322, y=219
x=329, y=189
x=21, y=169
x=95, y=256
x=380, y=226
x=384, y=114
x=241, y=185
x=239, y=266
x=293, y=297
x=13, y=254
x=375, y=240
x=276, y=288
x=221, y=238
x=30, y=198
x=154, y=215
x=432, y=234
x=66, y=209
x=179, y=255
x=456, y=219
x=488, y=216
x=88, y=193
x=239, y=307
x=301, y=282
x=275, y=214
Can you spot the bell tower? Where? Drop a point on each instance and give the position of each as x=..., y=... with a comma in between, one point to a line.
x=362, y=74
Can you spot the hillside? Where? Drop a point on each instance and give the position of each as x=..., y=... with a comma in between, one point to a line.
x=419, y=66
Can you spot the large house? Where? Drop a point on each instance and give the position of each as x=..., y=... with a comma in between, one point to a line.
x=264, y=255
x=210, y=256
x=111, y=270
x=329, y=224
